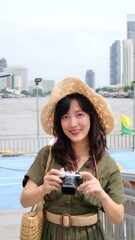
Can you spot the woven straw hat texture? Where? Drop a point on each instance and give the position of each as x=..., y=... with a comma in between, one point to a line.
x=74, y=85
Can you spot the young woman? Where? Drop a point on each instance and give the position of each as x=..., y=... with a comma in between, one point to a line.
x=79, y=119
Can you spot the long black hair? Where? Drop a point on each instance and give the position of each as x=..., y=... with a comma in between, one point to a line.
x=62, y=149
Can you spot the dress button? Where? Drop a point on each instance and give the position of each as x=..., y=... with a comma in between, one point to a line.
x=67, y=202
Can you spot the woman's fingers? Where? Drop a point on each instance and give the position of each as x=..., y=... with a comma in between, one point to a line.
x=53, y=185
x=52, y=180
x=90, y=184
x=54, y=172
x=87, y=175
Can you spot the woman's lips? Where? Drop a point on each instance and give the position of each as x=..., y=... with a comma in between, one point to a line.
x=74, y=132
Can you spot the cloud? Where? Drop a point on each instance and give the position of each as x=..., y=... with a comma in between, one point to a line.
x=53, y=38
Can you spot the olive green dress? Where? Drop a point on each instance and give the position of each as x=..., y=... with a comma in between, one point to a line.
x=77, y=204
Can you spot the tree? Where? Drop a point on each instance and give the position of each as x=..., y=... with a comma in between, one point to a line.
x=25, y=92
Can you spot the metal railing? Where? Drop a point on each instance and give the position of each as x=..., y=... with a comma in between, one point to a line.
x=29, y=144
x=126, y=230
x=117, y=141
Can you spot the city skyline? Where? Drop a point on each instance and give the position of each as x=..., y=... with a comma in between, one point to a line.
x=56, y=39
x=131, y=35
x=115, y=63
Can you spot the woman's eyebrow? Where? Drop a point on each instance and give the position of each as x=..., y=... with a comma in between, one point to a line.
x=79, y=110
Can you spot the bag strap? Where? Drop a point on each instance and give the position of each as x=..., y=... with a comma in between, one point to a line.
x=48, y=160
x=39, y=205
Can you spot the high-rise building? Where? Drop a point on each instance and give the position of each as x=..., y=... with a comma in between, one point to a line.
x=131, y=35
x=90, y=78
x=127, y=62
x=18, y=77
x=3, y=64
x=45, y=85
x=115, y=63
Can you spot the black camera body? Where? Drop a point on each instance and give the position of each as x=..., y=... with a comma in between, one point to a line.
x=70, y=181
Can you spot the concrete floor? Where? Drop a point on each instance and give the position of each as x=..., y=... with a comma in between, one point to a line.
x=10, y=222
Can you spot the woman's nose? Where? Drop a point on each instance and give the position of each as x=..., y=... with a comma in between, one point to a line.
x=73, y=121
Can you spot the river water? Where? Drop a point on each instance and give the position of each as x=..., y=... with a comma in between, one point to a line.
x=18, y=116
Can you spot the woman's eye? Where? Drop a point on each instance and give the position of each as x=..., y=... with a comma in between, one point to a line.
x=64, y=117
x=79, y=114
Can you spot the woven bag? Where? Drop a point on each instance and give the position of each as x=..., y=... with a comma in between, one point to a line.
x=32, y=225
x=32, y=222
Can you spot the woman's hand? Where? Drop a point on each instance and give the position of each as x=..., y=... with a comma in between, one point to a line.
x=33, y=193
x=114, y=211
x=91, y=185
x=52, y=180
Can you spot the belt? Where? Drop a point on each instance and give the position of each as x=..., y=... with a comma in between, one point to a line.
x=66, y=220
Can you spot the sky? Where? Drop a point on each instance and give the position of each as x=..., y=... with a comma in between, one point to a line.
x=55, y=39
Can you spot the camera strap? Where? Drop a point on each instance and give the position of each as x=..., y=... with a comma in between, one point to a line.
x=95, y=165
x=96, y=168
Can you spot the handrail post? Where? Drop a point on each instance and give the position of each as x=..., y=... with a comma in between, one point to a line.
x=134, y=117
x=37, y=81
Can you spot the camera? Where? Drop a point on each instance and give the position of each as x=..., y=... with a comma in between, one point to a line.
x=70, y=181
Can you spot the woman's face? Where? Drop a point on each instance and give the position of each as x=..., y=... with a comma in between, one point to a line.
x=76, y=123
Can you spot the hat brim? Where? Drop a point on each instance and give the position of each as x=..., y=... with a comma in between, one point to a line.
x=74, y=85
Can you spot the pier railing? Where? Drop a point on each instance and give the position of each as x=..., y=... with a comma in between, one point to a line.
x=126, y=230
x=28, y=144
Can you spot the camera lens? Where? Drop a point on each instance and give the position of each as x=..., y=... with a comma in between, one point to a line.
x=69, y=186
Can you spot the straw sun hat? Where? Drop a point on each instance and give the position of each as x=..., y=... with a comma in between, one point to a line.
x=74, y=85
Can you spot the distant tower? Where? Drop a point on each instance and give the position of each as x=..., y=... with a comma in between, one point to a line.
x=90, y=78
x=131, y=35
x=3, y=64
x=115, y=63
x=127, y=62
